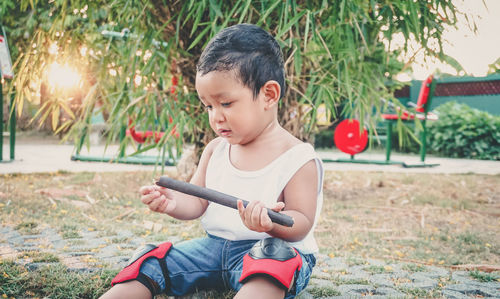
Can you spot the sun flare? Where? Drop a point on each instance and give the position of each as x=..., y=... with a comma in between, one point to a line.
x=63, y=76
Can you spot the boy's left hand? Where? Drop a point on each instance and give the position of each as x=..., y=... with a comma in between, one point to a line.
x=255, y=216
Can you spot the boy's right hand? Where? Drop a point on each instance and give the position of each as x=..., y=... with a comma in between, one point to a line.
x=158, y=199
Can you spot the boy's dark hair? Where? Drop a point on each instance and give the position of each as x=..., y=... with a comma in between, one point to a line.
x=249, y=50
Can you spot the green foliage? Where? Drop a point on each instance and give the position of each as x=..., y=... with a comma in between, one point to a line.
x=494, y=67
x=318, y=292
x=54, y=281
x=337, y=53
x=377, y=269
x=484, y=277
x=464, y=132
x=27, y=228
x=413, y=268
x=324, y=139
x=41, y=257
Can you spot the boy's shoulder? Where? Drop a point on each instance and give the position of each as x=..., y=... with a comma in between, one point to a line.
x=212, y=145
x=214, y=142
x=207, y=154
x=290, y=145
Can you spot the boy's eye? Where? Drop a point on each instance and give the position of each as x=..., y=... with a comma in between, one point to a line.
x=226, y=104
x=208, y=107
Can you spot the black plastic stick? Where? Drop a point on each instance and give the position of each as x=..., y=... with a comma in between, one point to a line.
x=218, y=197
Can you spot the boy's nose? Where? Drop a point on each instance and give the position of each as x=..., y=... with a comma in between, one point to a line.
x=217, y=115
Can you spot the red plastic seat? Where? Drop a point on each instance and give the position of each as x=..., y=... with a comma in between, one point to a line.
x=407, y=116
x=421, y=108
x=141, y=136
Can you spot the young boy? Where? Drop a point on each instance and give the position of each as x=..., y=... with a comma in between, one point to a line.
x=240, y=80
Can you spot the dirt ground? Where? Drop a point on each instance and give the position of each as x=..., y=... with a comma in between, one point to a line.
x=433, y=219
x=448, y=220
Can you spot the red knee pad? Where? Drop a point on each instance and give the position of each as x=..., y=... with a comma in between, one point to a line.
x=131, y=272
x=274, y=258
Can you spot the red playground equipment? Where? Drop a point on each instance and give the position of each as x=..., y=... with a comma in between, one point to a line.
x=141, y=136
x=350, y=139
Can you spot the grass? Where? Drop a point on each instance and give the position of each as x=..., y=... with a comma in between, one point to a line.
x=419, y=293
x=40, y=257
x=431, y=219
x=51, y=281
x=484, y=277
x=27, y=228
x=376, y=269
x=441, y=220
x=70, y=232
x=413, y=268
x=318, y=292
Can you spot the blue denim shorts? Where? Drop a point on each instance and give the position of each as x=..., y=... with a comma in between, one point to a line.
x=212, y=263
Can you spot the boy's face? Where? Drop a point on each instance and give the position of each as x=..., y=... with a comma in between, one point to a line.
x=233, y=112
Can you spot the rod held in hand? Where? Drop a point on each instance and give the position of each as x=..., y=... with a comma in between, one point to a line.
x=218, y=197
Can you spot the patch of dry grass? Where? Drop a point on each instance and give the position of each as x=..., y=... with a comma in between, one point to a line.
x=430, y=219
x=72, y=202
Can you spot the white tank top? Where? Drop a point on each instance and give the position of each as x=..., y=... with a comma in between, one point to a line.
x=265, y=184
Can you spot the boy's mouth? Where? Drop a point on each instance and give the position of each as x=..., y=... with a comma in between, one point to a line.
x=224, y=132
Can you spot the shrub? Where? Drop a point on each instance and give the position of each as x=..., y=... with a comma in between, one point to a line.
x=464, y=132
x=324, y=139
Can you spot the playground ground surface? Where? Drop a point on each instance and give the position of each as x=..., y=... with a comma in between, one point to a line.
x=385, y=231
x=47, y=154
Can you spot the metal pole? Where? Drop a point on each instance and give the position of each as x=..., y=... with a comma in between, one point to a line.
x=1, y=118
x=12, y=126
x=388, y=141
x=12, y=114
x=423, y=140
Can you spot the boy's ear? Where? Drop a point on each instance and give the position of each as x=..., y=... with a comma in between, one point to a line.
x=272, y=92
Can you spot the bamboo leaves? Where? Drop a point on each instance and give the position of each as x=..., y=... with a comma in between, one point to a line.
x=335, y=56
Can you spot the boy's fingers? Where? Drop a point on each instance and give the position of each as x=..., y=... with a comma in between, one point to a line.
x=157, y=198
x=264, y=219
x=153, y=205
x=146, y=189
x=256, y=212
x=166, y=205
x=249, y=210
x=279, y=206
x=163, y=190
x=255, y=215
x=240, y=206
x=158, y=204
x=148, y=198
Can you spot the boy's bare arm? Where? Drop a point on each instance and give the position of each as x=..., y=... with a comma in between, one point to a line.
x=300, y=196
x=180, y=205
